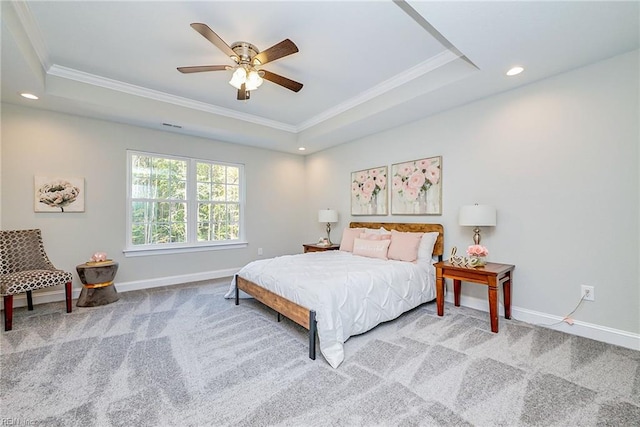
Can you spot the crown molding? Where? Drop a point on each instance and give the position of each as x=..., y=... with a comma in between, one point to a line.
x=31, y=29
x=116, y=85
x=34, y=35
x=412, y=73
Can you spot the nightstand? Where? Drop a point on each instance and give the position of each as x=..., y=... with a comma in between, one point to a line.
x=492, y=275
x=314, y=247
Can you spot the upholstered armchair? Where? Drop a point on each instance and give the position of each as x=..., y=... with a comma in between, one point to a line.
x=25, y=267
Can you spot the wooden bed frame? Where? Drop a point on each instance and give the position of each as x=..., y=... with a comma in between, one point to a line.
x=306, y=317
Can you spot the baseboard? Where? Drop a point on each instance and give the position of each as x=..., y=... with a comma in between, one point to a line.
x=45, y=296
x=175, y=280
x=579, y=328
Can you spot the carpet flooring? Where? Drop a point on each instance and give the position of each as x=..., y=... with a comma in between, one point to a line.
x=185, y=356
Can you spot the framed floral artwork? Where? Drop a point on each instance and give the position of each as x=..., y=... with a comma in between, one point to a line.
x=369, y=192
x=416, y=187
x=58, y=194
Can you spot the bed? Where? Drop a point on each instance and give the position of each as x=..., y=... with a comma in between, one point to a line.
x=339, y=294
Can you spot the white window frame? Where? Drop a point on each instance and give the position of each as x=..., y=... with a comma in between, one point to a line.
x=192, y=244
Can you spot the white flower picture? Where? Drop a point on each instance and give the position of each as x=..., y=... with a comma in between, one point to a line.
x=54, y=194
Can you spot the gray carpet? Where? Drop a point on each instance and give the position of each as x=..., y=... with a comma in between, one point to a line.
x=184, y=356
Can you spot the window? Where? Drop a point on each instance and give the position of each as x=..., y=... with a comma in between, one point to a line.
x=177, y=203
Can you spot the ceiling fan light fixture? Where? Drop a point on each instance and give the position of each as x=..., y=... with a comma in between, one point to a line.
x=238, y=78
x=253, y=80
x=245, y=77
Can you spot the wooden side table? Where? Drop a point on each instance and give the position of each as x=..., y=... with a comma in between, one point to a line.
x=314, y=247
x=492, y=275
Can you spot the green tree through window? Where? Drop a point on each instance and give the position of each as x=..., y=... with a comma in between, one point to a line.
x=179, y=201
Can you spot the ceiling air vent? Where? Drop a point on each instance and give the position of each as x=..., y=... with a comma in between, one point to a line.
x=172, y=125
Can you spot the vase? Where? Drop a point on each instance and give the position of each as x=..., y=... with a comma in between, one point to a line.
x=420, y=204
x=477, y=261
x=373, y=205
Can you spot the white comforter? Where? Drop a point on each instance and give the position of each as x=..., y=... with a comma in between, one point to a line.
x=350, y=294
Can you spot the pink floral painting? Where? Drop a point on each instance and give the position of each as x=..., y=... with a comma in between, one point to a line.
x=416, y=187
x=369, y=191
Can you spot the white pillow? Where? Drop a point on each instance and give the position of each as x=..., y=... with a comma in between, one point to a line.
x=375, y=231
x=428, y=241
x=371, y=248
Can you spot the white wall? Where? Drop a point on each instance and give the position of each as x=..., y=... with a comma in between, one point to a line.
x=558, y=159
x=38, y=142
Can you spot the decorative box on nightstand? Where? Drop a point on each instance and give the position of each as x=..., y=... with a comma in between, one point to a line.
x=315, y=247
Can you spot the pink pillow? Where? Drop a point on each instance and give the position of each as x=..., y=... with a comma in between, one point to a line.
x=368, y=236
x=371, y=248
x=348, y=235
x=404, y=246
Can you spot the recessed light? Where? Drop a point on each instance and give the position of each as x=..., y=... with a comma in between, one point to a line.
x=301, y=148
x=515, y=71
x=28, y=95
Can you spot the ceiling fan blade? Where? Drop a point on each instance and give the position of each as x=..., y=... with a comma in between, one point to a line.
x=282, y=81
x=201, y=68
x=282, y=49
x=208, y=34
x=243, y=93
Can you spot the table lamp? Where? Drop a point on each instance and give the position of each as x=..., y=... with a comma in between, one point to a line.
x=477, y=216
x=328, y=216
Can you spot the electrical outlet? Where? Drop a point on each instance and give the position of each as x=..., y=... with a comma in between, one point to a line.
x=587, y=292
x=259, y=251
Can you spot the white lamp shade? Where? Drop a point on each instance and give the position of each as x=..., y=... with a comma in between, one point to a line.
x=477, y=215
x=327, y=215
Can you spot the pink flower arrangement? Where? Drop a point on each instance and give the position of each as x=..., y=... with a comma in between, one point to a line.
x=412, y=178
x=368, y=183
x=477, y=250
x=99, y=257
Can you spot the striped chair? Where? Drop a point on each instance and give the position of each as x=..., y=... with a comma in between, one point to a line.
x=25, y=267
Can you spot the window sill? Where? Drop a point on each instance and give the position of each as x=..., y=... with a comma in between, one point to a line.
x=135, y=252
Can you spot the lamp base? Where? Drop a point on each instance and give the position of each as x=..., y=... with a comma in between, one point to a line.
x=476, y=236
x=329, y=233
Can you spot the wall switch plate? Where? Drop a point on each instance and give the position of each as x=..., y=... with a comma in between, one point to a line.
x=588, y=292
x=259, y=251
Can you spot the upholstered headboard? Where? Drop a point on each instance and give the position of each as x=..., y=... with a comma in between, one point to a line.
x=438, y=249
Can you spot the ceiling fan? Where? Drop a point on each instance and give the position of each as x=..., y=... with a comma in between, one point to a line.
x=246, y=75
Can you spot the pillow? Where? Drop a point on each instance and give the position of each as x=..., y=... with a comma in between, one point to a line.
x=377, y=231
x=371, y=248
x=404, y=246
x=428, y=241
x=348, y=235
x=374, y=236
x=384, y=231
